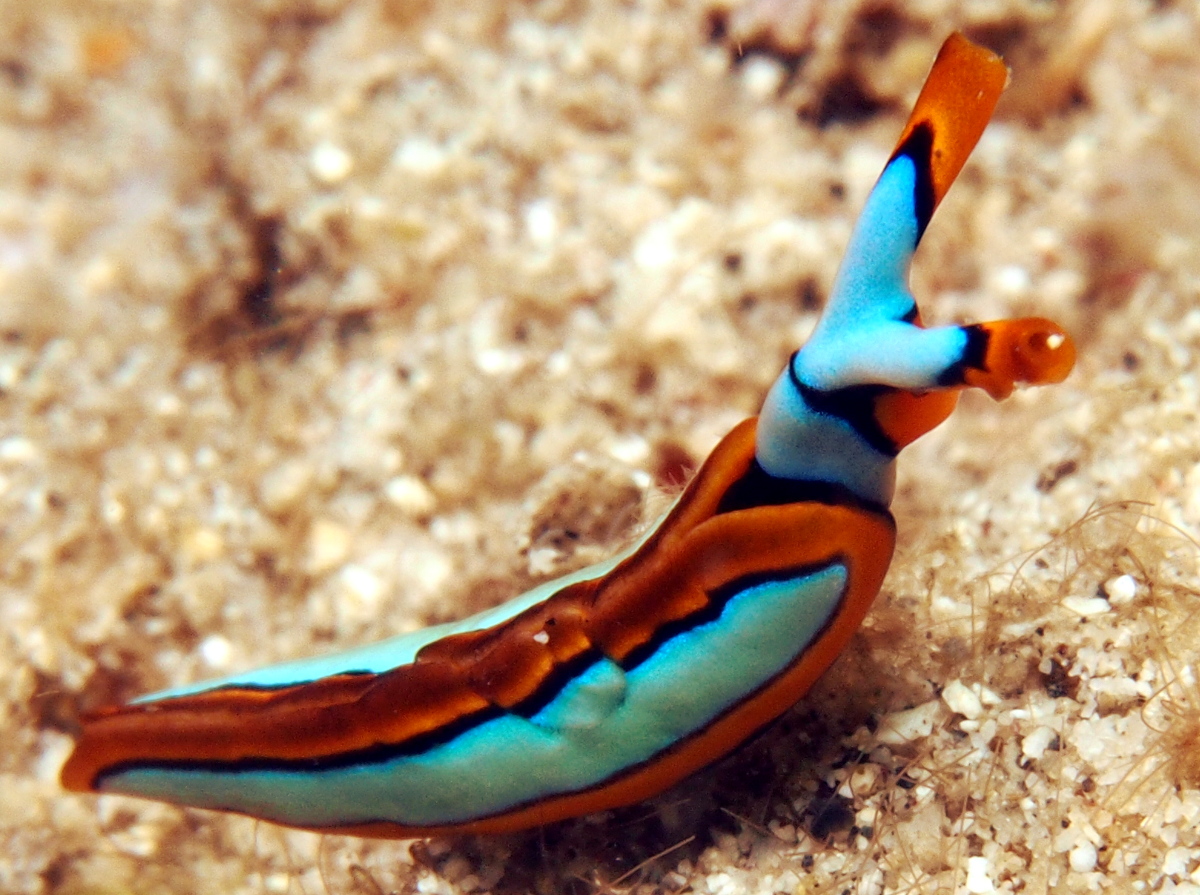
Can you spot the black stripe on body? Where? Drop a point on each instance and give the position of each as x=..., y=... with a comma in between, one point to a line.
x=378, y=753
x=919, y=148
x=718, y=599
x=384, y=752
x=754, y=488
x=854, y=404
x=551, y=688
x=973, y=357
x=758, y=488
x=556, y=681
x=684, y=741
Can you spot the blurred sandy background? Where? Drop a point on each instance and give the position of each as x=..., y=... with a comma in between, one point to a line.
x=321, y=320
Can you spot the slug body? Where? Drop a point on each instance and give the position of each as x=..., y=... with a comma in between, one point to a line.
x=609, y=685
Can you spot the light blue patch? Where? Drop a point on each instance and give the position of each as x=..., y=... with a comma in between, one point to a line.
x=862, y=338
x=588, y=700
x=900, y=355
x=795, y=442
x=872, y=282
x=580, y=739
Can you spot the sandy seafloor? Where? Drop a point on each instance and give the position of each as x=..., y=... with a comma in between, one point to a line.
x=323, y=320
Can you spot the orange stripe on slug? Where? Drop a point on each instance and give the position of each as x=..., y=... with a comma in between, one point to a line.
x=955, y=104
x=906, y=416
x=1032, y=350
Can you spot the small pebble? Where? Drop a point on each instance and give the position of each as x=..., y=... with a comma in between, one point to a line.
x=963, y=700
x=1083, y=857
x=979, y=880
x=330, y=163
x=1086, y=607
x=1120, y=590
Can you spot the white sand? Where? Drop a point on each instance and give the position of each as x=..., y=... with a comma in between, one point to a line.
x=322, y=320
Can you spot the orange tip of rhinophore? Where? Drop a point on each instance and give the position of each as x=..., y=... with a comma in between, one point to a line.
x=956, y=104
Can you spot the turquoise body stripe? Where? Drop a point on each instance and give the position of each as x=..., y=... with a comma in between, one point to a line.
x=603, y=722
